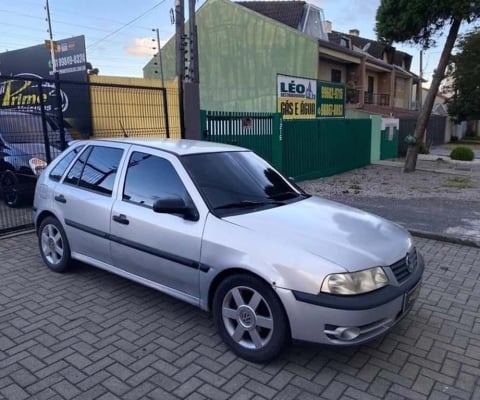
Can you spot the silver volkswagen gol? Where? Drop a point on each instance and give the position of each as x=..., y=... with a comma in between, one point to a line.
x=218, y=227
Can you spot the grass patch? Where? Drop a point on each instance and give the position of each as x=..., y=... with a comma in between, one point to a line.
x=459, y=182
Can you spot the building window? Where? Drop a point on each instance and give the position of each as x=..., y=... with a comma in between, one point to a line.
x=336, y=75
x=344, y=42
x=313, y=22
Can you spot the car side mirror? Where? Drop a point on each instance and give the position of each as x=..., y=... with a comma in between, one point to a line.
x=175, y=205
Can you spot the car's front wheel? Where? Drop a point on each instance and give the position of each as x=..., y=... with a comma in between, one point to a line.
x=250, y=318
x=10, y=189
x=53, y=244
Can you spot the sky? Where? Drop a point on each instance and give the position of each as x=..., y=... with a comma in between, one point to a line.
x=119, y=36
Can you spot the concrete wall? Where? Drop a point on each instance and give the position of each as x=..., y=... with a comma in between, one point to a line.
x=240, y=54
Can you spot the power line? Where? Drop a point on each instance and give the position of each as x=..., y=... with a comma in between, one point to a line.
x=125, y=25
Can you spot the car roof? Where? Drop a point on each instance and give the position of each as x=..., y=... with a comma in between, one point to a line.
x=176, y=146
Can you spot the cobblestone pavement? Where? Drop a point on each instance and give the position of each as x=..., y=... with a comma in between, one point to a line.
x=88, y=334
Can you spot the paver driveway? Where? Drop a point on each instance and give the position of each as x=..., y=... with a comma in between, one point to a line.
x=91, y=335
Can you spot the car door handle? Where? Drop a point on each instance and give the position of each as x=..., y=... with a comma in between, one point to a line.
x=60, y=198
x=121, y=219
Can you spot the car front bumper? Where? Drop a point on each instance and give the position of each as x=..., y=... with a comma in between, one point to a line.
x=349, y=320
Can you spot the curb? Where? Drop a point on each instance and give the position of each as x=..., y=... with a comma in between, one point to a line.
x=396, y=164
x=17, y=233
x=445, y=238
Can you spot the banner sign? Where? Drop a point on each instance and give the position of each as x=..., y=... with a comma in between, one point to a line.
x=35, y=63
x=296, y=97
x=330, y=99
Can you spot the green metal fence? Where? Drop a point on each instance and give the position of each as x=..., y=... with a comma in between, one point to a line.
x=254, y=131
x=324, y=147
x=301, y=149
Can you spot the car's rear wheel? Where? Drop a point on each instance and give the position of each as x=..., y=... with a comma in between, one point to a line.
x=10, y=189
x=250, y=318
x=53, y=244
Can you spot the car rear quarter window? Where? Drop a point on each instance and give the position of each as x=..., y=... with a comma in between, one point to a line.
x=57, y=172
x=96, y=169
x=73, y=176
x=149, y=178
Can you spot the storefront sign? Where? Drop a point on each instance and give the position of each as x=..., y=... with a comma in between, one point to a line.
x=330, y=99
x=32, y=65
x=296, y=97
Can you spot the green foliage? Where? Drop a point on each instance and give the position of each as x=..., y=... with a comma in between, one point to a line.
x=464, y=76
x=454, y=139
x=420, y=21
x=462, y=153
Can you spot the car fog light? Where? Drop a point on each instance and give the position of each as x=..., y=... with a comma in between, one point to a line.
x=344, y=333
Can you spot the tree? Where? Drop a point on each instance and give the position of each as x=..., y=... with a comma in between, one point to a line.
x=464, y=74
x=422, y=22
x=91, y=70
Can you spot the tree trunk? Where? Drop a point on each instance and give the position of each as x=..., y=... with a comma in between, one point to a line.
x=412, y=153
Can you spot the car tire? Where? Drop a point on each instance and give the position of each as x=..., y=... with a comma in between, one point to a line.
x=53, y=244
x=10, y=189
x=250, y=318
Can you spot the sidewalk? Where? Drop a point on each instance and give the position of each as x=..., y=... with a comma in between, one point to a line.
x=440, y=200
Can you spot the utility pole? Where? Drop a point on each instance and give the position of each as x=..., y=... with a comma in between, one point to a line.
x=164, y=90
x=58, y=93
x=191, y=86
x=180, y=58
x=159, y=55
x=420, y=97
x=52, y=47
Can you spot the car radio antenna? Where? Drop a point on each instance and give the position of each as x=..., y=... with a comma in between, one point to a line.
x=123, y=129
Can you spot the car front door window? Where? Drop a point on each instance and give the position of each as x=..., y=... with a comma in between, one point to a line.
x=150, y=178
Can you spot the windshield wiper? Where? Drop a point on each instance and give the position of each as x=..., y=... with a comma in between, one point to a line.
x=249, y=203
x=288, y=195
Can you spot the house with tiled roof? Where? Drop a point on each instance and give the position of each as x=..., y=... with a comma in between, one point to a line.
x=243, y=47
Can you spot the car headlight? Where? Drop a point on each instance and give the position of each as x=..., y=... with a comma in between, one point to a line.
x=352, y=283
x=37, y=165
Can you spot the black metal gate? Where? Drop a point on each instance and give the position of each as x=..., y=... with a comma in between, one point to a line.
x=34, y=130
x=435, y=131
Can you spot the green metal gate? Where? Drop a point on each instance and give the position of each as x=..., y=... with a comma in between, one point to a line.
x=389, y=143
x=301, y=149
x=324, y=147
x=255, y=131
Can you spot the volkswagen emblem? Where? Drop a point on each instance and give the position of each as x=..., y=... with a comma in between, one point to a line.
x=246, y=318
x=409, y=263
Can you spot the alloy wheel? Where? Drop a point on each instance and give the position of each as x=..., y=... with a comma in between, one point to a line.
x=247, y=317
x=52, y=244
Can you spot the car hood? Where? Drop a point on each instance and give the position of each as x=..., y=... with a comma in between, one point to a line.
x=351, y=238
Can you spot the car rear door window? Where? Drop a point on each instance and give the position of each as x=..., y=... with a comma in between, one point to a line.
x=96, y=169
x=149, y=178
x=57, y=172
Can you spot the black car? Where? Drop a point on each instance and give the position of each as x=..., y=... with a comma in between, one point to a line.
x=24, y=152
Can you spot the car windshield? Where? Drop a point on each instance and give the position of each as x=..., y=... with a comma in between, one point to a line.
x=237, y=182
